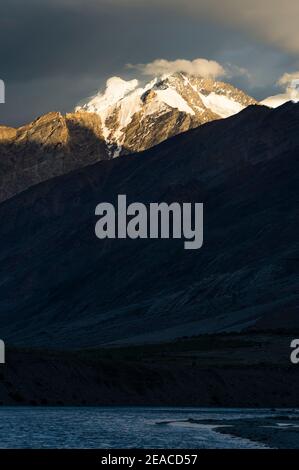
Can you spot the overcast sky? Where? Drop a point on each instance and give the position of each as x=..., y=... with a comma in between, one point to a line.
x=54, y=53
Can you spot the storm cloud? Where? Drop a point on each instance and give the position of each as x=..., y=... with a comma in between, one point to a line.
x=275, y=21
x=55, y=53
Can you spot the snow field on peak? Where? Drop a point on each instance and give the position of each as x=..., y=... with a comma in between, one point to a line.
x=172, y=98
x=221, y=105
x=116, y=89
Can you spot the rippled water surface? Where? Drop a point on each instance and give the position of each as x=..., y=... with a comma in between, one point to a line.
x=99, y=427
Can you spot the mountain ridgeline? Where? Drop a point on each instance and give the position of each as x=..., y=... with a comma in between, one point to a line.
x=125, y=118
x=136, y=118
x=61, y=287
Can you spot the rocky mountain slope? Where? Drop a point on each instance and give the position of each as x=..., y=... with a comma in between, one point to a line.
x=50, y=146
x=61, y=287
x=125, y=119
x=136, y=118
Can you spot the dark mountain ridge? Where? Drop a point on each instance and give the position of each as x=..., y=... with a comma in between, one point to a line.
x=61, y=287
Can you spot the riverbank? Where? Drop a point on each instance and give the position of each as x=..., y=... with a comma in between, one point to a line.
x=232, y=370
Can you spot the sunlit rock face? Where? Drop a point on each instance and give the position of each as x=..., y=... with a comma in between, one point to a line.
x=50, y=146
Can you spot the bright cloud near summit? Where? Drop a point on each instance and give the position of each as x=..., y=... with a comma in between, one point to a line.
x=198, y=67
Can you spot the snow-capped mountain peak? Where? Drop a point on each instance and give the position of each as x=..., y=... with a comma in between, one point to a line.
x=137, y=117
x=278, y=100
x=116, y=90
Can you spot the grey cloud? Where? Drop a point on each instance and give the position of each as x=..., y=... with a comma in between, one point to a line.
x=53, y=53
x=275, y=21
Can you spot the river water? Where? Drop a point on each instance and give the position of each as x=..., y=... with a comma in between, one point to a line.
x=119, y=427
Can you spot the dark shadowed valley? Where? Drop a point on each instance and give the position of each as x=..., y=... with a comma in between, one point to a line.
x=145, y=321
